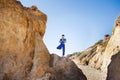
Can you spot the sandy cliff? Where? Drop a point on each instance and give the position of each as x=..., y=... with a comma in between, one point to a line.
x=23, y=54
x=99, y=55
x=113, y=46
x=93, y=55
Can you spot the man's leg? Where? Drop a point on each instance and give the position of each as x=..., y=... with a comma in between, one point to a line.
x=63, y=49
x=60, y=46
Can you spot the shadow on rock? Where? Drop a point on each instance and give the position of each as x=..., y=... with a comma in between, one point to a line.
x=65, y=69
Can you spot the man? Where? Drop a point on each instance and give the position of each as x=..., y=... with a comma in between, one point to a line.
x=62, y=44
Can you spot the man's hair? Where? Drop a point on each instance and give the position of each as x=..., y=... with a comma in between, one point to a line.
x=63, y=35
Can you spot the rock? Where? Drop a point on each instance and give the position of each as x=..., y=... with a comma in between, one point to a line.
x=114, y=68
x=65, y=69
x=99, y=55
x=23, y=54
x=97, y=60
x=93, y=55
x=22, y=51
x=113, y=46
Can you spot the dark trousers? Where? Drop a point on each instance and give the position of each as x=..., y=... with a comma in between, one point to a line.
x=62, y=46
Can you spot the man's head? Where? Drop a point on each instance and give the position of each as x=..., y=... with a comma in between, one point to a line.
x=63, y=35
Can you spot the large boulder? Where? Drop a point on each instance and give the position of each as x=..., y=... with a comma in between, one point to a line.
x=114, y=68
x=23, y=54
x=22, y=51
x=65, y=69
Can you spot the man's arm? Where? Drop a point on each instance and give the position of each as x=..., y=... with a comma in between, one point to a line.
x=60, y=40
x=64, y=40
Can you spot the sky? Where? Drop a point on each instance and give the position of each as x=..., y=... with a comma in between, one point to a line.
x=84, y=22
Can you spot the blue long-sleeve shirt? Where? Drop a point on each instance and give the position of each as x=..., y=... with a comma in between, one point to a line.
x=62, y=40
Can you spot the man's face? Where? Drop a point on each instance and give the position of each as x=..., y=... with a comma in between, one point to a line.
x=62, y=36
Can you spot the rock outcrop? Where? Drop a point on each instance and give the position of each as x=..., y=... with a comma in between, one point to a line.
x=65, y=69
x=93, y=55
x=23, y=54
x=113, y=46
x=99, y=55
x=114, y=68
x=22, y=51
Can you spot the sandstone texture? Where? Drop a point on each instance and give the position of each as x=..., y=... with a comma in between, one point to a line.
x=114, y=68
x=92, y=56
x=22, y=51
x=23, y=54
x=113, y=46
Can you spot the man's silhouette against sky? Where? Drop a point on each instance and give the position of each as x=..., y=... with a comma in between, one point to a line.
x=62, y=44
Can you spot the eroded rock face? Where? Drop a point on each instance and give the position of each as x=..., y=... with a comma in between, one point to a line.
x=99, y=55
x=93, y=56
x=114, y=68
x=23, y=54
x=65, y=69
x=113, y=46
